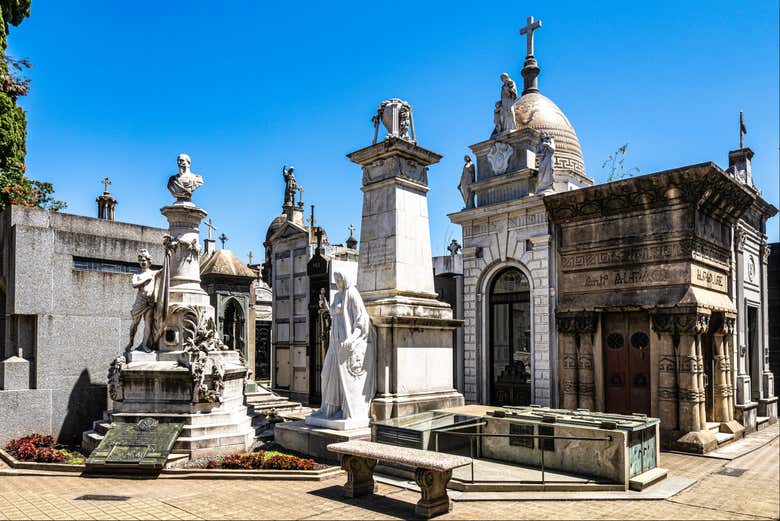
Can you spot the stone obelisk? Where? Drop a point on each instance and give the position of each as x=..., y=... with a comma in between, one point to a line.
x=395, y=277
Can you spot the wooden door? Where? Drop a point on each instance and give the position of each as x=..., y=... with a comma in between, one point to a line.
x=626, y=347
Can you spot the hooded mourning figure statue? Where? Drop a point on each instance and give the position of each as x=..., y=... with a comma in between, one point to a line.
x=348, y=370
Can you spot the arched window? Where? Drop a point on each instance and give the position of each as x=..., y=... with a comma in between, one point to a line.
x=510, y=353
x=233, y=325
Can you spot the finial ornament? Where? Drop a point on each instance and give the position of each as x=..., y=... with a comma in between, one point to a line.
x=250, y=256
x=106, y=181
x=531, y=69
x=396, y=116
x=223, y=239
x=742, y=130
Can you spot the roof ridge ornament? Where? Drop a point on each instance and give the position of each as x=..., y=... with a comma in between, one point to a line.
x=531, y=69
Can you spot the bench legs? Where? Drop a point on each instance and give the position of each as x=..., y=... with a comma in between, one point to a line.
x=360, y=475
x=433, y=484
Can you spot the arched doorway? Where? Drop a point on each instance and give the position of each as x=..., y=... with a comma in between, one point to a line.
x=233, y=326
x=510, y=353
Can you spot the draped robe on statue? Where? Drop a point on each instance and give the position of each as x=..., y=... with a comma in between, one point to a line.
x=348, y=370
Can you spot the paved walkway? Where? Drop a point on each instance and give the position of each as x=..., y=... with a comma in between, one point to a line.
x=745, y=488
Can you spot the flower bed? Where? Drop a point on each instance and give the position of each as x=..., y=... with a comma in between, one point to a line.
x=266, y=460
x=40, y=448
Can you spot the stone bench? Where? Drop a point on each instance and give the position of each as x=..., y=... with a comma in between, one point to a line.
x=434, y=470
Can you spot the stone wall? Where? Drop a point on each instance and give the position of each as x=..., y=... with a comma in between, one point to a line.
x=67, y=307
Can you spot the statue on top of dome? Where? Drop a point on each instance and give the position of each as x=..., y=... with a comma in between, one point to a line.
x=505, y=117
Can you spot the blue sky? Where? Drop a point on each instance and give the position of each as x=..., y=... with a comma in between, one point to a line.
x=119, y=89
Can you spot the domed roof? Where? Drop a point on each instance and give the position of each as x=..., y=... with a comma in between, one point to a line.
x=275, y=225
x=536, y=111
x=225, y=263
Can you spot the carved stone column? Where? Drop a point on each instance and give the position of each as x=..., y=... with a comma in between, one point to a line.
x=585, y=324
x=360, y=475
x=433, y=485
x=691, y=414
x=663, y=325
x=721, y=386
x=567, y=356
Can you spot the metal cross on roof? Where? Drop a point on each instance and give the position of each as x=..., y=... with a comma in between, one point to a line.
x=250, y=256
x=528, y=31
x=211, y=227
x=351, y=230
x=223, y=238
x=311, y=219
x=107, y=181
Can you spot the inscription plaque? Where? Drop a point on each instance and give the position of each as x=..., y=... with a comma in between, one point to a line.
x=134, y=448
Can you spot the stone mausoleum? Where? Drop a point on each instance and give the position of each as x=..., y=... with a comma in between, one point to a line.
x=508, y=250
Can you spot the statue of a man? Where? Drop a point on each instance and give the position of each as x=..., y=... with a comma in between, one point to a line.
x=145, y=299
x=467, y=177
x=508, y=98
x=290, y=184
x=184, y=182
x=546, y=151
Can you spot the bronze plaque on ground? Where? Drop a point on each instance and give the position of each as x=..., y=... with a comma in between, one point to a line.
x=134, y=448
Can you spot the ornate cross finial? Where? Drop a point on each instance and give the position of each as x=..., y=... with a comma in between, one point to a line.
x=742, y=130
x=106, y=181
x=300, y=196
x=454, y=248
x=211, y=227
x=250, y=257
x=318, y=233
x=351, y=229
x=223, y=238
x=351, y=241
x=528, y=31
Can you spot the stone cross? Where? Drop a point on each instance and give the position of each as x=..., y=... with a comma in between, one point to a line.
x=311, y=219
x=454, y=247
x=528, y=31
x=107, y=181
x=223, y=238
x=742, y=131
x=351, y=230
x=211, y=227
x=250, y=256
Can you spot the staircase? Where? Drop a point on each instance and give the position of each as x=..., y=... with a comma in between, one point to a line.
x=264, y=401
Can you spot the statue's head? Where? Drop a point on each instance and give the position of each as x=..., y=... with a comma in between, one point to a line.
x=144, y=259
x=467, y=158
x=184, y=162
x=504, y=77
x=343, y=280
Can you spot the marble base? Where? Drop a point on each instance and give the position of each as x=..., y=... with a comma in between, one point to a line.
x=395, y=405
x=313, y=441
x=768, y=407
x=746, y=415
x=697, y=442
x=337, y=425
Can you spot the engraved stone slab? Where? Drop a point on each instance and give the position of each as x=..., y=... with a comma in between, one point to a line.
x=134, y=448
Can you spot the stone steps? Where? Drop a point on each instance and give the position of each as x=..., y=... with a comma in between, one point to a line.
x=265, y=401
x=762, y=422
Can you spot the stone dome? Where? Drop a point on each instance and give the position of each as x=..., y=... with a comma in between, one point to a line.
x=225, y=263
x=275, y=225
x=533, y=110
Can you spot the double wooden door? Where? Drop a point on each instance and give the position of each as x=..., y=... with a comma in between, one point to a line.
x=626, y=349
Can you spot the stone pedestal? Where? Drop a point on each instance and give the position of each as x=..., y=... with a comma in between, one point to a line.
x=414, y=331
x=313, y=441
x=189, y=377
x=14, y=374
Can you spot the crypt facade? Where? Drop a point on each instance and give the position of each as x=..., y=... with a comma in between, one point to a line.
x=508, y=254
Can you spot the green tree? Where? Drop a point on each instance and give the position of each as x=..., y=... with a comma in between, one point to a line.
x=15, y=186
x=615, y=165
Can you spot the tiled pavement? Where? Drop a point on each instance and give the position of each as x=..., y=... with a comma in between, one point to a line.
x=751, y=495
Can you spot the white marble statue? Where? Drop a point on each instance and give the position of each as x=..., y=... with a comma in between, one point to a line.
x=546, y=151
x=184, y=182
x=348, y=370
x=499, y=155
x=147, y=284
x=467, y=177
x=506, y=117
